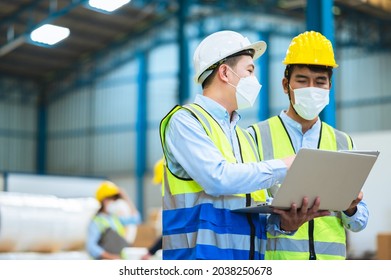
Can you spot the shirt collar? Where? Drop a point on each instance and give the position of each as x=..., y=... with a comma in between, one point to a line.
x=217, y=111
x=297, y=126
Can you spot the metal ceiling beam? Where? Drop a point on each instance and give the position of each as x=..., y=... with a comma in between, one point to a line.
x=84, y=79
x=167, y=10
x=13, y=44
x=19, y=39
x=357, y=29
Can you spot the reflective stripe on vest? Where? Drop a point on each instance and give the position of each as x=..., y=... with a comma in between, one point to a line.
x=329, y=239
x=200, y=226
x=104, y=224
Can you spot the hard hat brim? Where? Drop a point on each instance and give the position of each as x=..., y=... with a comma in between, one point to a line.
x=258, y=47
x=335, y=65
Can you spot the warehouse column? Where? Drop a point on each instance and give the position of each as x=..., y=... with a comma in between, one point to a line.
x=183, y=73
x=41, y=135
x=320, y=18
x=263, y=99
x=141, y=129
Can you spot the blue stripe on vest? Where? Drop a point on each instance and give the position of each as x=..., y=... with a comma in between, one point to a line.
x=205, y=216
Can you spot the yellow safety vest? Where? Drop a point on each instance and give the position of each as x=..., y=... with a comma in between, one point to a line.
x=322, y=238
x=200, y=226
x=103, y=224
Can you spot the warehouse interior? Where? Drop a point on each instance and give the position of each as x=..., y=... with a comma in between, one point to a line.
x=88, y=108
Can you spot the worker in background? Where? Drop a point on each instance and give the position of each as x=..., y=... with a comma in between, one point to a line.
x=211, y=165
x=309, y=64
x=107, y=231
x=157, y=180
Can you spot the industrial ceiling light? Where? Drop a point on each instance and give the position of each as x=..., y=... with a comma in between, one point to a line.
x=107, y=5
x=49, y=34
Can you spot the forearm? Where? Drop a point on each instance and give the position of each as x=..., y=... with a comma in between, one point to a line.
x=191, y=154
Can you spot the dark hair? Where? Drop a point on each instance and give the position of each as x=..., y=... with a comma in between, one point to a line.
x=315, y=68
x=113, y=197
x=231, y=61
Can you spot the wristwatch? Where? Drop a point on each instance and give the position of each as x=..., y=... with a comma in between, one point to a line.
x=287, y=232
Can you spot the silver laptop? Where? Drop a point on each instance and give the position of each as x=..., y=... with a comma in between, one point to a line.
x=336, y=177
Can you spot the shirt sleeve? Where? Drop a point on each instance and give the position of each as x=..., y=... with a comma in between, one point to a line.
x=93, y=237
x=359, y=220
x=130, y=220
x=192, y=154
x=273, y=226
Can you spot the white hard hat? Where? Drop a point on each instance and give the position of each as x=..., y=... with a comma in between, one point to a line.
x=218, y=46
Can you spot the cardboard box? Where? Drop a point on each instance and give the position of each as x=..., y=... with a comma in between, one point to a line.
x=376, y=3
x=145, y=237
x=386, y=5
x=384, y=246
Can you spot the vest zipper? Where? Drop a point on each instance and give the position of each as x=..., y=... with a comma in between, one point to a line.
x=311, y=240
x=248, y=215
x=252, y=229
x=311, y=224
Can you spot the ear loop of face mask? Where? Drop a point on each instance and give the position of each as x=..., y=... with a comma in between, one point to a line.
x=290, y=89
x=235, y=75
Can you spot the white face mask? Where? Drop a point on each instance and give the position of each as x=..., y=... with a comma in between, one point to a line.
x=310, y=101
x=118, y=207
x=247, y=91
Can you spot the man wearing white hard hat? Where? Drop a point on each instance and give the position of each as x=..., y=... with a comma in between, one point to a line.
x=211, y=164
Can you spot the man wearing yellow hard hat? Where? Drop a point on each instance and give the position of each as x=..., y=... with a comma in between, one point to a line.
x=107, y=231
x=309, y=64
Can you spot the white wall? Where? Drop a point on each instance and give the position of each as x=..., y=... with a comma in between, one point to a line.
x=364, y=97
x=60, y=186
x=377, y=192
x=152, y=193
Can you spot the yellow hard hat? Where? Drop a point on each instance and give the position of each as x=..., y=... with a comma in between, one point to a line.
x=310, y=47
x=106, y=189
x=158, y=172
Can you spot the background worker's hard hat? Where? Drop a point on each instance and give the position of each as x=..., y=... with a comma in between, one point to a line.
x=312, y=48
x=158, y=172
x=106, y=189
x=218, y=46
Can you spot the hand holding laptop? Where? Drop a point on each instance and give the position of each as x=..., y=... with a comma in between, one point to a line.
x=337, y=177
x=295, y=217
x=353, y=206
